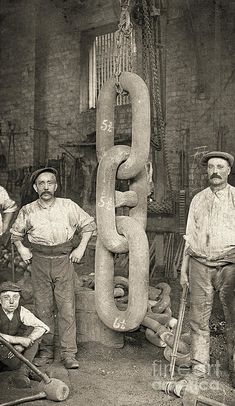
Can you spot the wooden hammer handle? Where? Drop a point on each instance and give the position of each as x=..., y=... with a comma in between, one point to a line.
x=209, y=402
x=37, y=371
x=38, y=396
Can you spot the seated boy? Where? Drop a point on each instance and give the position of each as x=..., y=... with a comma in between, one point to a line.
x=14, y=319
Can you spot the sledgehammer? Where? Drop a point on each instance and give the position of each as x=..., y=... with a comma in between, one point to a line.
x=52, y=388
x=189, y=392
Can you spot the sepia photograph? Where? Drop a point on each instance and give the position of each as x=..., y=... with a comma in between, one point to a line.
x=117, y=202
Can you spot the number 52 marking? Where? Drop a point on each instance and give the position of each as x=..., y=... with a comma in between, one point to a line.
x=106, y=126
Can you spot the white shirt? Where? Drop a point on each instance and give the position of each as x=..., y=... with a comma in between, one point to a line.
x=210, y=228
x=29, y=320
x=51, y=225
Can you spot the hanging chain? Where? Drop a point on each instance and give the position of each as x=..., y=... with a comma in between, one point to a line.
x=122, y=41
x=122, y=234
x=154, y=61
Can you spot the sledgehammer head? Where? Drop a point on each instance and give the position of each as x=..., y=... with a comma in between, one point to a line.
x=55, y=390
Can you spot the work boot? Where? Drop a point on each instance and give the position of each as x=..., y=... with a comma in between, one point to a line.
x=42, y=360
x=70, y=363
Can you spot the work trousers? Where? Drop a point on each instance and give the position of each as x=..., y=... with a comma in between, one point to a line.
x=11, y=361
x=203, y=282
x=53, y=283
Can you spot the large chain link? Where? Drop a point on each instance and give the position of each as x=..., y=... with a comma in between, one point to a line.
x=121, y=234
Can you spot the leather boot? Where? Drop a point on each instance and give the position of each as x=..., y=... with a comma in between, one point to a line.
x=44, y=358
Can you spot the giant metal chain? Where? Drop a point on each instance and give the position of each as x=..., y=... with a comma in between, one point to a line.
x=121, y=234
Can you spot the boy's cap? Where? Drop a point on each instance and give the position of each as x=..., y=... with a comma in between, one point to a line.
x=38, y=172
x=5, y=286
x=217, y=154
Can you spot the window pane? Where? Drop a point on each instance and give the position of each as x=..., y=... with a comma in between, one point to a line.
x=102, y=61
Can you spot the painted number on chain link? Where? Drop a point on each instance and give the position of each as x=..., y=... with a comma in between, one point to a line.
x=104, y=202
x=119, y=323
x=106, y=126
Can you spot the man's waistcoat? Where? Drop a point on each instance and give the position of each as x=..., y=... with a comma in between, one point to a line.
x=10, y=327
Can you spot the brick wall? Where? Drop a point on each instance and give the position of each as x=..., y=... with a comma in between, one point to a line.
x=17, y=80
x=40, y=80
x=200, y=80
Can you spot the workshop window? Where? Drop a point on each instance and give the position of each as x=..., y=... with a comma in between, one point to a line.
x=101, y=61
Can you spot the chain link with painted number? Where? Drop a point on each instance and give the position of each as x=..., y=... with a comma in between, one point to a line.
x=122, y=234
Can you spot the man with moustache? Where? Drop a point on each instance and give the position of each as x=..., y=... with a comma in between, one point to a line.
x=209, y=260
x=50, y=223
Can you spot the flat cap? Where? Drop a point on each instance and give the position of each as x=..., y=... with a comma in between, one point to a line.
x=8, y=285
x=217, y=154
x=38, y=172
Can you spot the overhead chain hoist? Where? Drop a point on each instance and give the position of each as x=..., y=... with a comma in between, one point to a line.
x=122, y=234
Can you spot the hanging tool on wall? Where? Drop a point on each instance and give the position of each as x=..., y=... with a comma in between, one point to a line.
x=184, y=135
x=13, y=173
x=183, y=197
x=11, y=154
x=3, y=159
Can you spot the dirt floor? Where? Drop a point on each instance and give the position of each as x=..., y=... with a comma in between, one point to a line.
x=124, y=377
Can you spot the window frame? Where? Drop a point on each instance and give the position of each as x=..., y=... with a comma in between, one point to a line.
x=87, y=39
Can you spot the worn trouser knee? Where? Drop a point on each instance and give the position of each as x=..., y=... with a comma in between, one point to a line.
x=8, y=358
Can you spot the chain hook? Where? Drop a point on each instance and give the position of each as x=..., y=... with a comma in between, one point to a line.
x=125, y=28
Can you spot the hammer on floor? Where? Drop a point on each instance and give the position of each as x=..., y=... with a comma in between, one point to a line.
x=51, y=388
x=189, y=392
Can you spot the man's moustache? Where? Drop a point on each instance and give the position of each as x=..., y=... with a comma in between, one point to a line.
x=46, y=193
x=214, y=176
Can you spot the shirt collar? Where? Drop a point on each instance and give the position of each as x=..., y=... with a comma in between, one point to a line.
x=42, y=206
x=221, y=192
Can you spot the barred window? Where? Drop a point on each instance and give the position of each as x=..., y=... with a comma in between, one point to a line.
x=102, y=61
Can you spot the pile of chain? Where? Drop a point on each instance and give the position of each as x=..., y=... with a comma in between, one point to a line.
x=158, y=321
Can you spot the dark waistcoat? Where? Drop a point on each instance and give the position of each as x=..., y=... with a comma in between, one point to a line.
x=10, y=327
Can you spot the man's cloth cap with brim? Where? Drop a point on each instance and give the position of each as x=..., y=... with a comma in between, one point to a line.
x=38, y=172
x=9, y=286
x=217, y=154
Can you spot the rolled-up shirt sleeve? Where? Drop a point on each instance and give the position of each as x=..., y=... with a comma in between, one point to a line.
x=84, y=222
x=7, y=204
x=29, y=320
x=19, y=227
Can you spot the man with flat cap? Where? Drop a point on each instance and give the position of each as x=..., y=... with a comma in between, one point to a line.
x=209, y=260
x=50, y=223
x=20, y=328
